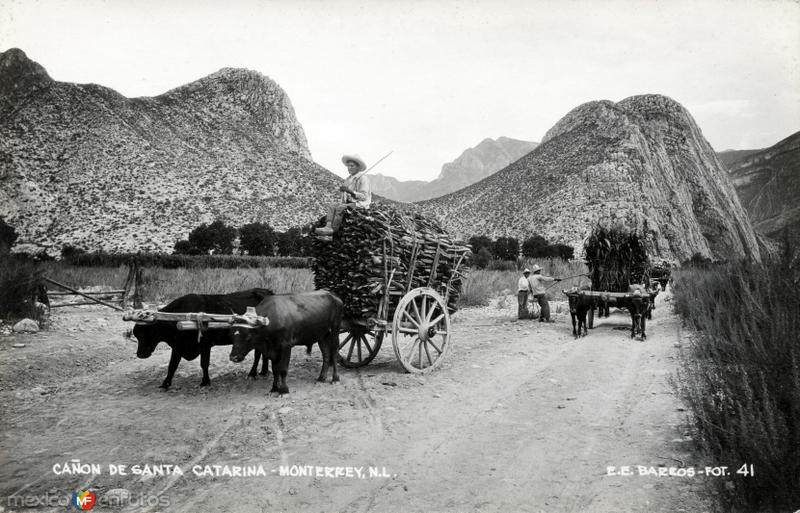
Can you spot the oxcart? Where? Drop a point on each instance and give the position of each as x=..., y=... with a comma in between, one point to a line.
x=399, y=276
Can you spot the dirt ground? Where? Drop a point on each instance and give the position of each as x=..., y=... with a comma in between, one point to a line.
x=521, y=418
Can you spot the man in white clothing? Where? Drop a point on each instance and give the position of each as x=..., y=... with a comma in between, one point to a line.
x=524, y=288
x=355, y=193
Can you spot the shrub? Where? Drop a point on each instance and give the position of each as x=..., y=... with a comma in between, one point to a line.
x=740, y=377
x=477, y=242
x=533, y=246
x=175, y=261
x=257, y=239
x=505, y=248
x=8, y=235
x=215, y=238
x=20, y=280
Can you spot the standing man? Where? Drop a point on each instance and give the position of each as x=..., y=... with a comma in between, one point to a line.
x=355, y=193
x=539, y=291
x=524, y=288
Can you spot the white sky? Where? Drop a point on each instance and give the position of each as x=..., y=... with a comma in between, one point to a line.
x=429, y=79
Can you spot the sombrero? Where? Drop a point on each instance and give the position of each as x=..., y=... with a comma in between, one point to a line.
x=354, y=158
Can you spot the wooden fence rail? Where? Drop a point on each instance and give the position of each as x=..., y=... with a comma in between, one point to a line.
x=130, y=294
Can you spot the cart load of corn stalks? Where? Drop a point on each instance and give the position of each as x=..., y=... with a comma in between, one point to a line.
x=381, y=245
x=616, y=258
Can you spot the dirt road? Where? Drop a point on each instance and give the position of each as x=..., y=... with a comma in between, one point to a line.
x=521, y=417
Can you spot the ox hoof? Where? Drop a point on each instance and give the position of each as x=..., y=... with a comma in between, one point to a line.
x=335, y=380
x=321, y=379
x=205, y=383
x=165, y=385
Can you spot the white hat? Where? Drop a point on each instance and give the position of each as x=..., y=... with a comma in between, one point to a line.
x=536, y=268
x=526, y=271
x=355, y=158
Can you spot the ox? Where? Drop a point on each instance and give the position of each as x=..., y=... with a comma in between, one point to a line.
x=185, y=344
x=639, y=305
x=294, y=320
x=579, y=306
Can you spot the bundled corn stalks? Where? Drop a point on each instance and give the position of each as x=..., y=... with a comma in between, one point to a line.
x=616, y=259
x=381, y=252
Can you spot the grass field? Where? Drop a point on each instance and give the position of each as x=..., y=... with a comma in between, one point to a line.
x=161, y=285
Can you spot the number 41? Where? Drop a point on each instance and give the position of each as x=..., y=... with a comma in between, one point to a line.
x=746, y=470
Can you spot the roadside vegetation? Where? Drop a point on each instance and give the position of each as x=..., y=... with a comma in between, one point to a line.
x=740, y=377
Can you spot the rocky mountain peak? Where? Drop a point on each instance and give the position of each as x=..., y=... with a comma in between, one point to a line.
x=642, y=163
x=84, y=165
x=18, y=72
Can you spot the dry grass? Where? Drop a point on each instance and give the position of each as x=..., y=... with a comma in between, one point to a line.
x=483, y=285
x=741, y=378
x=162, y=285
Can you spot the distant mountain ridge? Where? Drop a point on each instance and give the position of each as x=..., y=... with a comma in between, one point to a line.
x=768, y=184
x=642, y=163
x=85, y=166
x=474, y=164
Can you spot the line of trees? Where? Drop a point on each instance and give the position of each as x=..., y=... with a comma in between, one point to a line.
x=258, y=239
x=485, y=249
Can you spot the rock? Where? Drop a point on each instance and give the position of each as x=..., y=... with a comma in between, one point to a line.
x=285, y=410
x=19, y=346
x=26, y=326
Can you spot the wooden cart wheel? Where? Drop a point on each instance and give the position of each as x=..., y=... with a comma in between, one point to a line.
x=358, y=346
x=421, y=330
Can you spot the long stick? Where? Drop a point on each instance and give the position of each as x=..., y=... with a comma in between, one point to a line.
x=375, y=164
x=82, y=294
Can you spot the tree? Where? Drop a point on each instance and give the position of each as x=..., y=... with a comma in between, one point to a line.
x=505, y=248
x=479, y=241
x=257, y=239
x=482, y=258
x=294, y=242
x=184, y=247
x=216, y=238
x=8, y=235
x=533, y=246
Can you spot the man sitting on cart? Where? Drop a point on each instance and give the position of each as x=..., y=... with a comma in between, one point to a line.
x=355, y=193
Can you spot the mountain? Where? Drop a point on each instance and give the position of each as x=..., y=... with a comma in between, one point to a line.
x=86, y=166
x=472, y=165
x=729, y=157
x=642, y=163
x=768, y=184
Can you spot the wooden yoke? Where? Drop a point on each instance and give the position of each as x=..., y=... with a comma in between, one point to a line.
x=198, y=320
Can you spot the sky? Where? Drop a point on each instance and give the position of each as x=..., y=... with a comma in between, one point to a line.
x=429, y=79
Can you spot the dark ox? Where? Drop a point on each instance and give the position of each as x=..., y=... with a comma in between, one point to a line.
x=579, y=306
x=185, y=344
x=639, y=304
x=294, y=320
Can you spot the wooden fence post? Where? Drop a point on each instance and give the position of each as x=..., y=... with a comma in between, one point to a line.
x=132, y=295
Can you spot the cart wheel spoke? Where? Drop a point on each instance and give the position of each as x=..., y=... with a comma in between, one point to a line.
x=431, y=342
x=428, y=354
x=408, y=316
x=407, y=331
x=366, y=343
x=362, y=346
x=437, y=320
x=416, y=311
x=349, y=337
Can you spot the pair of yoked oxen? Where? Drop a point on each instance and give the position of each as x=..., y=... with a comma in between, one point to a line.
x=293, y=319
x=640, y=302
